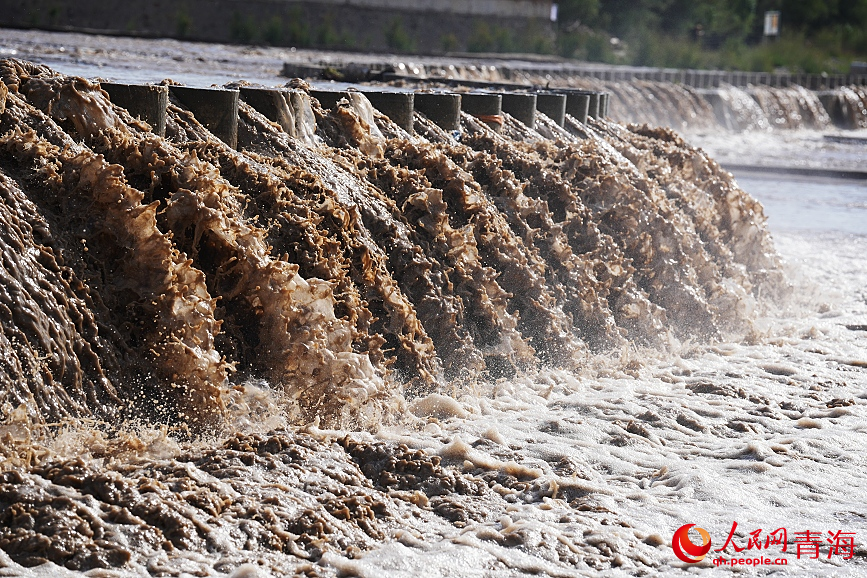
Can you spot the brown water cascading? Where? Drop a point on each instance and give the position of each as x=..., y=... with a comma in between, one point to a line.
x=391, y=321
x=286, y=323
x=453, y=245
x=380, y=251
x=671, y=264
x=730, y=222
x=521, y=269
x=55, y=362
x=327, y=280
x=587, y=264
x=582, y=296
x=341, y=271
x=157, y=302
x=287, y=315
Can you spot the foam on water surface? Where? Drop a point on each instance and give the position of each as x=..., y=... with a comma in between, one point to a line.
x=769, y=434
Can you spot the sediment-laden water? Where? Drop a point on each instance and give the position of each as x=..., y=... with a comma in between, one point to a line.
x=356, y=351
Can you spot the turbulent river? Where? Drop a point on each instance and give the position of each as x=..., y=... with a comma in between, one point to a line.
x=352, y=351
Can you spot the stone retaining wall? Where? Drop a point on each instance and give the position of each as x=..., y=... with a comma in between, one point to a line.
x=367, y=25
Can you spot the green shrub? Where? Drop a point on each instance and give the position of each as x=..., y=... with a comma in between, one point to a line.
x=449, y=42
x=274, y=31
x=503, y=39
x=482, y=39
x=182, y=23
x=816, y=36
x=242, y=29
x=660, y=50
x=492, y=38
x=298, y=30
x=328, y=35
x=54, y=15
x=397, y=38
x=586, y=45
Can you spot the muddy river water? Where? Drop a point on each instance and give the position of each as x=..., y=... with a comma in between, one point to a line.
x=359, y=352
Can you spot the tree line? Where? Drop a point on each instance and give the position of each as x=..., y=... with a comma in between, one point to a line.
x=815, y=35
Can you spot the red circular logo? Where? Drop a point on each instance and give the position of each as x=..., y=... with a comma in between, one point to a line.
x=685, y=549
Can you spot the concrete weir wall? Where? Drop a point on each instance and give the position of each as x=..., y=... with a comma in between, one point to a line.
x=716, y=78
x=433, y=26
x=217, y=108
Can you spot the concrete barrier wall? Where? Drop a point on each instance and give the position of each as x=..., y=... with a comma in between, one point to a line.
x=353, y=24
x=505, y=8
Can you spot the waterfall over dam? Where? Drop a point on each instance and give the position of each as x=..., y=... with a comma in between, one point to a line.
x=220, y=360
x=344, y=272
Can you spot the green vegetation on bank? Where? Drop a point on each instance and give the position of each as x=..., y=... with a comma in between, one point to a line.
x=815, y=35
